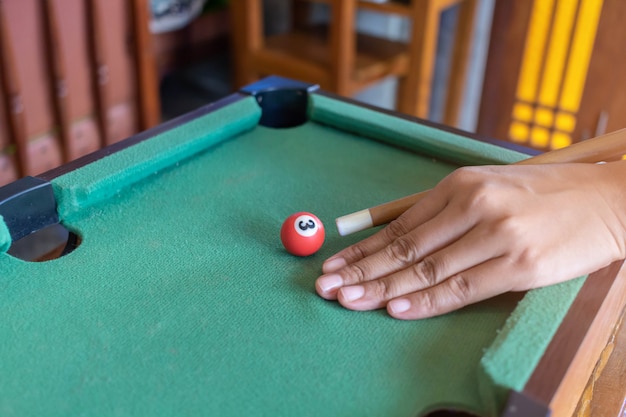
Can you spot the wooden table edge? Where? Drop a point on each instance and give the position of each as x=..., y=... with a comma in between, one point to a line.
x=563, y=372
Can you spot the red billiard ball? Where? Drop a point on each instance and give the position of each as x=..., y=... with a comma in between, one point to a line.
x=302, y=234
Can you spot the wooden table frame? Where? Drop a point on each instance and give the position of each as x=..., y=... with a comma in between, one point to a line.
x=559, y=378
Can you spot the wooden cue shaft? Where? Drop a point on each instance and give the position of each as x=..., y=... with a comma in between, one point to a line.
x=611, y=146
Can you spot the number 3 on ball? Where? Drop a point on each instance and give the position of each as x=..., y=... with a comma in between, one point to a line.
x=302, y=234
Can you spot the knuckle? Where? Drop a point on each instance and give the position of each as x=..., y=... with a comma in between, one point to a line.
x=396, y=229
x=467, y=176
x=460, y=289
x=428, y=302
x=483, y=198
x=383, y=290
x=513, y=234
x=511, y=227
x=479, y=190
x=462, y=174
x=529, y=260
x=356, y=252
x=523, y=252
x=403, y=250
x=354, y=273
x=426, y=272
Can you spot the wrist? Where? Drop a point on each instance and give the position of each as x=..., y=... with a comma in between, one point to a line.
x=613, y=189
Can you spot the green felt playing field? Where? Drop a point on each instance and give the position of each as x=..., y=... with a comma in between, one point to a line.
x=181, y=300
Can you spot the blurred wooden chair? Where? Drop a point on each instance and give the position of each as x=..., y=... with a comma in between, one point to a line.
x=75, y=75
x=345, y=62
x=554, y=72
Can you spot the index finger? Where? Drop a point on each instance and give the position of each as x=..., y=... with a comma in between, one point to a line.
x=421, y=212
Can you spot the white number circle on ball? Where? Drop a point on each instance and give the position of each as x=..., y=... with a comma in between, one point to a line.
x=305, y=225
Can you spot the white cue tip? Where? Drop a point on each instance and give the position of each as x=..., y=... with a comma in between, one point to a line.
x=354, y=222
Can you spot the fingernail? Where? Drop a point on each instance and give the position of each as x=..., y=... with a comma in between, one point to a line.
x=352, y=293
x=333, y=264
x=399, y=306
x=329, y=282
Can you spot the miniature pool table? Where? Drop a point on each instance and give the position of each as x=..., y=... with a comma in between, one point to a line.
x=175, y=296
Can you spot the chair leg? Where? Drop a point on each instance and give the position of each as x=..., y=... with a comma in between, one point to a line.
x=343, y=45
x=147, y=77
x=247, y=39
x=414, y=89
x=460, y=61
x=300, y=14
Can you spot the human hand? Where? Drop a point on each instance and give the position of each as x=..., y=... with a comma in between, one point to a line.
x=484, y=231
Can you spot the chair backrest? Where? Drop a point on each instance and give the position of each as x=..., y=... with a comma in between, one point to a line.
x=76, y=75
x=554, y=72
x=345, y=61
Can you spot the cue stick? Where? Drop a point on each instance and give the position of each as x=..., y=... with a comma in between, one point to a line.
x=611, y=146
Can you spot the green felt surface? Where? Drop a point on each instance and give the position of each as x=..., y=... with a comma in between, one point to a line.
x=417, y=137
x=181, y=300
x=104, y=178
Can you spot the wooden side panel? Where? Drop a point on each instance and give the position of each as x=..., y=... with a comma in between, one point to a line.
x=342, y=45
x=83, y=134
x=118, y=54
x=26, y=31
x=605, y=393
x=143, y=51
x=554, y=73
x=510, y=24
x=69, y=72
x=8, y=168
x=247, y=39
x=25, y=28
x=5, y=139
x=603, y=103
